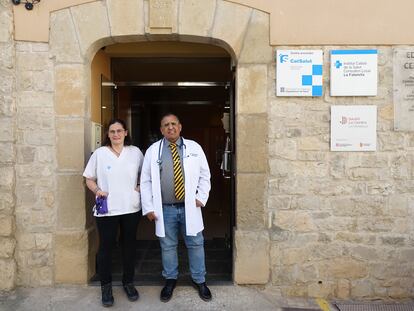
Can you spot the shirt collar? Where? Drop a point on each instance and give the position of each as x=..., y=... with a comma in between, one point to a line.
x=179, y=142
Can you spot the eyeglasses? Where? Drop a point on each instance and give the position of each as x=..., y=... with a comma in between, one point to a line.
x=113, y=132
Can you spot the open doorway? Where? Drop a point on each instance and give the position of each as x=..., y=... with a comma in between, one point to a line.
x=198, y=87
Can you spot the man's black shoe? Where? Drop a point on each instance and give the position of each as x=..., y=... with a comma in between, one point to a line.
x=167, y=291
x=131, y=291
x=107, y=298
x=203, y=291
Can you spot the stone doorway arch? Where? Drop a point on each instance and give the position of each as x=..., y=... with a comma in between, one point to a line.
x=76, y=34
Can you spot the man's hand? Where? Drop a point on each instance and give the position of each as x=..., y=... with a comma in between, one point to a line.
x=151, y=216
x=199, y=204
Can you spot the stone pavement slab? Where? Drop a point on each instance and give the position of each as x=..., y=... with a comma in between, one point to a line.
x=225, y=298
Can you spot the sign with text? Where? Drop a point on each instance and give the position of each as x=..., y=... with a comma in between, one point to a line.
x=353, y=128
x=299, y=72
x=403, y=81
x=354, y=72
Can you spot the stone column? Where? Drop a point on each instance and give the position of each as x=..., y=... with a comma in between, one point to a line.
x=71, y=75
x=252, y=237
x=8, y=149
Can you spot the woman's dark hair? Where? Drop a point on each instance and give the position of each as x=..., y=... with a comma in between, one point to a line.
x=127, y=141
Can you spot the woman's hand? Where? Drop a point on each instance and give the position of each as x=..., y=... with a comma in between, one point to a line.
x=101, y=193
x=92, y=185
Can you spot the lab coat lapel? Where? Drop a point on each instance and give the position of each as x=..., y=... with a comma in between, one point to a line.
x=156, y=190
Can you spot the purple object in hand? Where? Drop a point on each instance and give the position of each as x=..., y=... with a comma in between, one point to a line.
x=101, y=205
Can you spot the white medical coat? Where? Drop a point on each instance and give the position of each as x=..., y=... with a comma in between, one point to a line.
x=197, y=185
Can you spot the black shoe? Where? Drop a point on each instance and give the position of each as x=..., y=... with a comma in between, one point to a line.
x=203, y=291
x=167, y=291
x=131, y=291
x=107, y=298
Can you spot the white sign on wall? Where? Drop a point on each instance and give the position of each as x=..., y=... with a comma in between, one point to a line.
x=299, y=72
x=354, y=72
x=354, y=128
x=403, y=81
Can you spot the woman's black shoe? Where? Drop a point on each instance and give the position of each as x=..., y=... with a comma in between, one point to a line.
x=131, y=291
x=167, y=291
x=107, y=298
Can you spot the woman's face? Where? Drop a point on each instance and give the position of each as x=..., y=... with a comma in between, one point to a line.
x=117, y=134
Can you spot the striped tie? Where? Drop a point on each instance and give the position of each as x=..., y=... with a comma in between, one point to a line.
x=178, y=174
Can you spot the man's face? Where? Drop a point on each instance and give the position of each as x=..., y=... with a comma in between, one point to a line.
x=170, y=128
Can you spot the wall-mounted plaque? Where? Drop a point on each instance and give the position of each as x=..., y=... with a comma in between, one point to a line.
x=403, y=81
x=354, y=72
x=299, y=72
x=162, y=17
x=353, y=128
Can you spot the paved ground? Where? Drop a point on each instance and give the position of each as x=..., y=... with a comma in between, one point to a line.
x=225, y=298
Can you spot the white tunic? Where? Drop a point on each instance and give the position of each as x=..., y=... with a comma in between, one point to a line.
x=196, y=180
x=118, y=176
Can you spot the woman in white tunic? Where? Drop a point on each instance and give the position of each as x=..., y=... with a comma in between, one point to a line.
x=113, y=172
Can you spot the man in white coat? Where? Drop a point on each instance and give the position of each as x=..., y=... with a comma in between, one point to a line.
x=175, y=183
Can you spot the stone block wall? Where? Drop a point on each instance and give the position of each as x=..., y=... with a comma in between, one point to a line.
x=8, y=137
x=340, y=223
x=35, y=164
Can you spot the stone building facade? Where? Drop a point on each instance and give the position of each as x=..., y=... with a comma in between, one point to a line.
x=317, y=223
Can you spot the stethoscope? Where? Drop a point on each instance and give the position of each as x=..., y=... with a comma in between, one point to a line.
x=159, y=161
